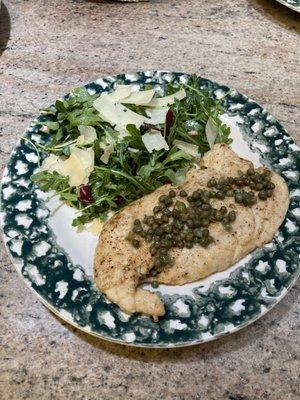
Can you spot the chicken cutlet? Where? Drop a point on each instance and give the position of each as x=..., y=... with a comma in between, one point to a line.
x=224, y=210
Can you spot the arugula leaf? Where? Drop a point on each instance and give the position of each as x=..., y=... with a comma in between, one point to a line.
x=135, y=137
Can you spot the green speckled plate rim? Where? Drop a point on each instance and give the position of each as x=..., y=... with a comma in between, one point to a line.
x=292, y=4
x=208, y=314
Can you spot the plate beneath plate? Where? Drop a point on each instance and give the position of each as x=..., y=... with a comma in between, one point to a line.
x=55, y=260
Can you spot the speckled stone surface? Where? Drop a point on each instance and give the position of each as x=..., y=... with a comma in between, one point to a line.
x=47, y=48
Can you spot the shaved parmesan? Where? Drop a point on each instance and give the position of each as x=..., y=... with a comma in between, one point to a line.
x=117, y=114
x=78, y=166
x=189, y=148
x=154, y=140
x=73, y=168
x=87, y=134
x=50, y=163
x=121, y=92
x=167, y=100
x=211, y=132
x=108, y=150
x=139, y=98
x=157, y=115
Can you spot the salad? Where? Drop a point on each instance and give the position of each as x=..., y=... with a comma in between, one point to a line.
x=105, y=151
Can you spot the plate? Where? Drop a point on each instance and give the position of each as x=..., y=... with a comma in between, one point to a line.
x=56, y=262
x=293, y=4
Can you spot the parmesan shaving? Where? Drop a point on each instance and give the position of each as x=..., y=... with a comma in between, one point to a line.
x=108, y=150
x=117, y=114
x=50, y=163
x=121, y=92
x=87, y=135
x=78, y=166
x=154, y=140
x=189, y=148
x=211, y=132
x=139, y=98
x=157, y=115
x=167, y=100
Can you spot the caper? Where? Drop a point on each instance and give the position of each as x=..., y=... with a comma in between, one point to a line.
x=137, y=222
x=212, y=194
x=211, y=183
x=205, y=222
x=136, y=243
x=205, y=232
x=180, y=206
x=232, y=215
x=259, y=186
x=180, y=244
x=162, y=198
x=165, y=244
x=262, y=195
x=218, y=216
x=206, y=207
x=225, y=219
x=156, y=209
x=196, y=195
x=148, y=238
x=172, y=193
x=223, y=210
x=198, y=232
x=184, y=217
x=189, y=235
x=204, y=242
x=270, y=186
x=159, y=231
x=250, y=172
x=168, y=236
x=154, y=284
x=230, y=180
x=190, y=199
x=229, y=193
x=168, y=202
x=167, y=212
x=178, y=224
x=175, y=213
x=182, y=193
x=204, y=214
x=137, y=229
x=269, y=192
x=153, y=249
x=197, y=223
x=165, y=218
x=238, y=197
x=220, y=195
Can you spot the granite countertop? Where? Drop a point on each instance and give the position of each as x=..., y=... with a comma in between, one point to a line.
x=47, y=48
